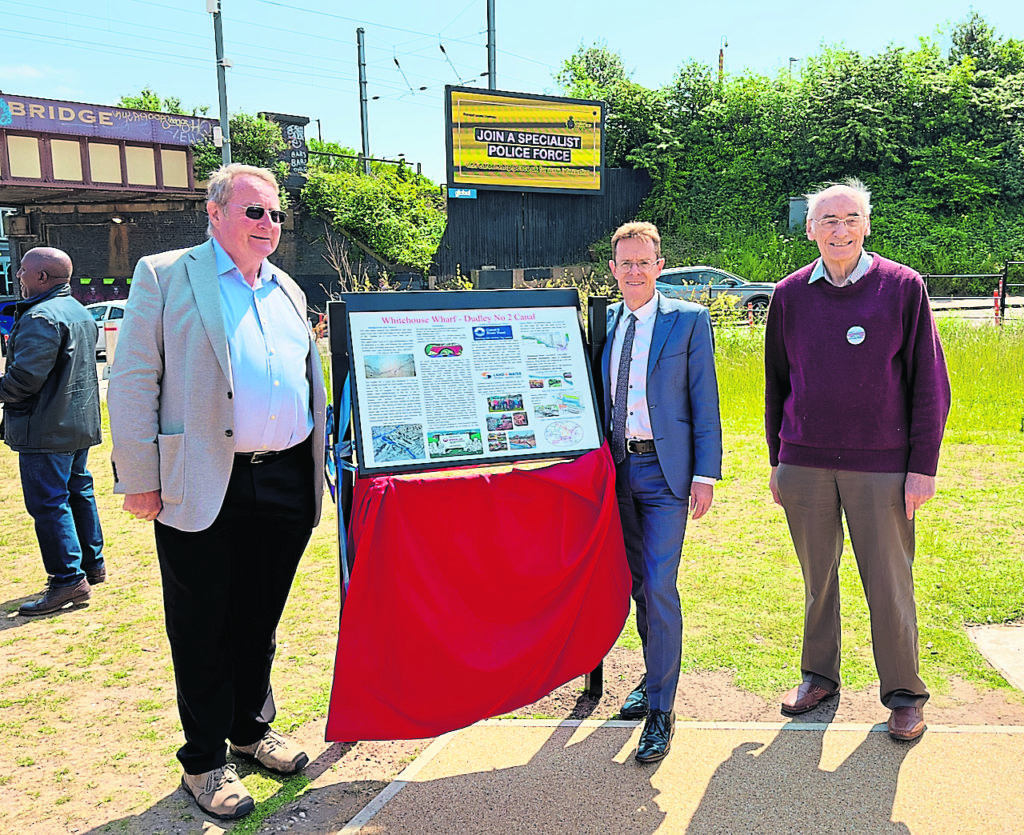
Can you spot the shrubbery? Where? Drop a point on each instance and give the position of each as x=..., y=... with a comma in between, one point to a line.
x=938, y=138
x=398, y=214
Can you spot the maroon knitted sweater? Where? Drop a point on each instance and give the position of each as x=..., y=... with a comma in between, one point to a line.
x=855, y=378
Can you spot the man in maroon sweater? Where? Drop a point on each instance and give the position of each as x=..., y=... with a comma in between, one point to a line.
x=856, y=399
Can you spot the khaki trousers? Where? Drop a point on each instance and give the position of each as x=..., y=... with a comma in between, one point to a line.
x=883, y=544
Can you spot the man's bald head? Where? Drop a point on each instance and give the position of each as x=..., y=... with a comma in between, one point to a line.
x=42, y=269
x=56, y=263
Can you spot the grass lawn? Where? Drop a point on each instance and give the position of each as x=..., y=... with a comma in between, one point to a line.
x=87, y=709
x=740, y=581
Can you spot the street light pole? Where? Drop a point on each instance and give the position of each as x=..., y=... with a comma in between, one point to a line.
x=213, y=7
x=363, y=116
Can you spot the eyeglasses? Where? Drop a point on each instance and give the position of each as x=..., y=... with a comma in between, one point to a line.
x=830, y=224
x=257, y=212
x=643, y=266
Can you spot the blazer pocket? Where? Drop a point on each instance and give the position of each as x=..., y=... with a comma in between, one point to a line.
x=172, y=468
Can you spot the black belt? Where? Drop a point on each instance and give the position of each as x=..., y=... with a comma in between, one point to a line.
x=639, y=447
x=252, y=458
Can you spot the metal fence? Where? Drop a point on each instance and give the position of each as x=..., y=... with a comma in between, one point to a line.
x=982, y=292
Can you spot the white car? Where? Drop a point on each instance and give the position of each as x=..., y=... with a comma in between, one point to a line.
x=104, y=312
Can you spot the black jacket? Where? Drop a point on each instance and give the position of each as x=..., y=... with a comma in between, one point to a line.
x=50, y=392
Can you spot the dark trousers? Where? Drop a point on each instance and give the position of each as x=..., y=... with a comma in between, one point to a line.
x=224, y=591
x=59, y=497
x=653, y=525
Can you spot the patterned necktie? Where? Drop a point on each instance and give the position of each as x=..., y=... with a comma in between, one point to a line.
x=622, y=394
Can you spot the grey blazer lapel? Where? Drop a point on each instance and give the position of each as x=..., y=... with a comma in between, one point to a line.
x=201, y=268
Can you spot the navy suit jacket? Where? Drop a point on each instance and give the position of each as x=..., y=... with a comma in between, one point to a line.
x=682, y=391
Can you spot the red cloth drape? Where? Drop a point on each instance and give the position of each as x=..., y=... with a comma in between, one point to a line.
x=475, y=594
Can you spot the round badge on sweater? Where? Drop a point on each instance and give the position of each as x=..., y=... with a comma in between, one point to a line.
x=855, y=335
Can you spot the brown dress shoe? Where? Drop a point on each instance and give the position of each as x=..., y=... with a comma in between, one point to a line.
x=57, y=597
x=804, y=697
x=906, y=723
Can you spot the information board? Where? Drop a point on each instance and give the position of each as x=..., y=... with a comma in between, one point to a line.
x=443, y=379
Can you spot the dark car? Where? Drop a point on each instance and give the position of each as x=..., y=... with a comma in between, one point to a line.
x=693, y=282
x=6, y=323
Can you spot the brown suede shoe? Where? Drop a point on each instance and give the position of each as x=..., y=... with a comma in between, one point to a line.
x=219, y=793
x=906, y=723
x=57, y=597
x=275, y=752
x=804, y=697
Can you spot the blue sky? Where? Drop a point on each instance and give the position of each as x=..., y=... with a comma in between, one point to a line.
x=299, y=56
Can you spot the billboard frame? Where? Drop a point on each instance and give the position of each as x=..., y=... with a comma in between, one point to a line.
x=454, y=182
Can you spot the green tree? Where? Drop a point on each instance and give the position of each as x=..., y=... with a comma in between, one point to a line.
x=254, y=141
x=150, y=100
x=633, y=114
x=976, y=39
x=592, y=72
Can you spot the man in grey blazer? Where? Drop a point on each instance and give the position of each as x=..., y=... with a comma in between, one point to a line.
x=661, y=394
x=217, y=410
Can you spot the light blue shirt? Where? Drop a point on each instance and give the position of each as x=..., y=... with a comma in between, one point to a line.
x=863, y=265
x=268, y=345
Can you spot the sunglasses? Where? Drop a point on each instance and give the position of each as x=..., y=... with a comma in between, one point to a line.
x=257, y=212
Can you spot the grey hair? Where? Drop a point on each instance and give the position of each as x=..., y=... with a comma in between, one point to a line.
x=221, y=184
x=861, y=193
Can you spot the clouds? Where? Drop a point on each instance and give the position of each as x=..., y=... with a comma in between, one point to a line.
x=17, y=72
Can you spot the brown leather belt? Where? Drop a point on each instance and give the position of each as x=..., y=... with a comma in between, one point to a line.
x=639, y=447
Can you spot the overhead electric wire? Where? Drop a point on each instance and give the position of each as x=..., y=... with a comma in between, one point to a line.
x=361, y=22
x=303, y=68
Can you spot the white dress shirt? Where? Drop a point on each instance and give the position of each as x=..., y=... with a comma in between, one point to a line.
x=638, y=416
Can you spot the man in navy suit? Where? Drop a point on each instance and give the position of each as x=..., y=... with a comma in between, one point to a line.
x=661, y=396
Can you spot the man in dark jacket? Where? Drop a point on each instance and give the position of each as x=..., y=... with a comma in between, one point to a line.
x=51, y=417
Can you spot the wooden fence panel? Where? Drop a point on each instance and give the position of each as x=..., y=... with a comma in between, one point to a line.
x=512, y=229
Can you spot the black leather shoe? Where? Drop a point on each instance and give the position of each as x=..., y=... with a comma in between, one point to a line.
x=57, y=597
x=635, y=706
x=656, y=738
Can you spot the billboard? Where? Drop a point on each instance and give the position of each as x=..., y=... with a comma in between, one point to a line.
x=520, y=142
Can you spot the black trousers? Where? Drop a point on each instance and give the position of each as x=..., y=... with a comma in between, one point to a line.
x=224, y=591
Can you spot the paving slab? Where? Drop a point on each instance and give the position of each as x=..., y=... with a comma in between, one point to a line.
x=517, y=776
x=1003, y=648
